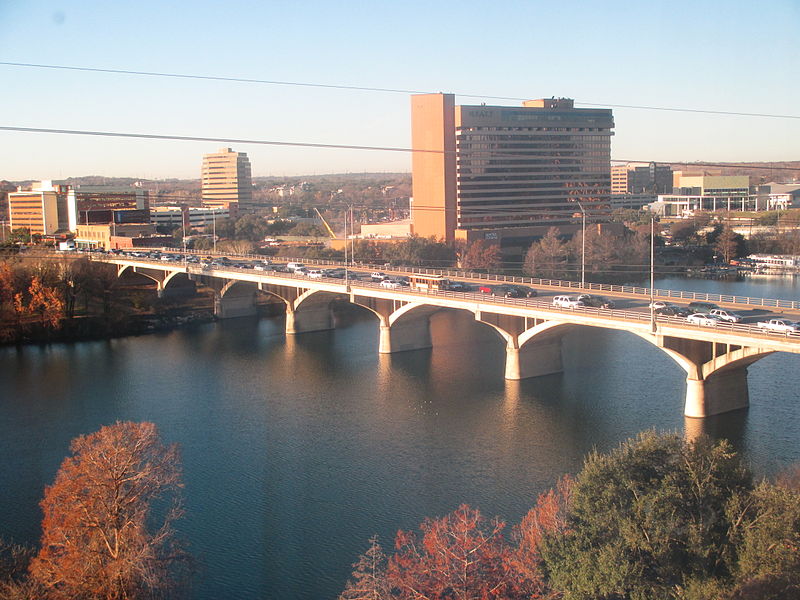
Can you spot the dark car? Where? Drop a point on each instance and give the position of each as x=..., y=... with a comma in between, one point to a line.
x=457, y=286
x=597, y=301
x=702, y=306
x=673, y=311
x=523, y=292
x=508, y=291
x=519, y=291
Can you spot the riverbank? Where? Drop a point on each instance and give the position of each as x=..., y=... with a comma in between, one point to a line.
x=88, y=328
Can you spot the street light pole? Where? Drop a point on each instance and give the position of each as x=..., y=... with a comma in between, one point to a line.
x=183, y=230
x=346, y=263
x=214, y=228
x=583, y=241
x=583, y=245
x=652, y=272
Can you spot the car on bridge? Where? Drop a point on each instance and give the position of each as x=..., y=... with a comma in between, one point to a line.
x=673, y=311
x=702, y=306
x=458, y=286
x=657, y=304
x=781, y=325
x=705, y=319
x=521, y=291
x=567, y=302
x=726, y=315
x=314, y=274
x=596, y=301
x=377, y=276
x=393, y=284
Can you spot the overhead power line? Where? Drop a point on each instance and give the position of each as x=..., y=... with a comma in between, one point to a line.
x=188, y=138
x=370, y=89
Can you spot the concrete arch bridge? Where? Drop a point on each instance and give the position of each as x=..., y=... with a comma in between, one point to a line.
x=715, y=359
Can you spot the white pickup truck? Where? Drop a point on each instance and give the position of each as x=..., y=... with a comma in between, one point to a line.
x=782, y=325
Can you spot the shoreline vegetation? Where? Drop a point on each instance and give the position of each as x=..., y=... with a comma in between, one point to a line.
x=45, y=299
x=657, y=518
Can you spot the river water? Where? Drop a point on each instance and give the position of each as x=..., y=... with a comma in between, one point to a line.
x=296, y=450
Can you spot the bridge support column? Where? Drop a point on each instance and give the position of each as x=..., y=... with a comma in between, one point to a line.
x=534, y=359
x=308, y=319
x=721, y=392
x=231, y=307
x=385, y=340
x=411, y=334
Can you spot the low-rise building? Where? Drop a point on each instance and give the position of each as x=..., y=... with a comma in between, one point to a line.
x=780, y=196
x=97, y=204
x=192, y=217
x=110, y=236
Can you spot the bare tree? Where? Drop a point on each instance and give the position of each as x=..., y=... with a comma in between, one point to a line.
x=107, y=529
x=727, y=244
x=547, y=257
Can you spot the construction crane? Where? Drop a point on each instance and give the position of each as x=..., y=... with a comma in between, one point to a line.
x=325, y=223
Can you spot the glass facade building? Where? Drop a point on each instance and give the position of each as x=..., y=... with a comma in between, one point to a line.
x=513, y=166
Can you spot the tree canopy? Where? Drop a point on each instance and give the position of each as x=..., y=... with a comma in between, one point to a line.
x=647, y=519
x=102, y=534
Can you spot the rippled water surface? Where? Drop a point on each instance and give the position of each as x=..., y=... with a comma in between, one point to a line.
x=296, y=450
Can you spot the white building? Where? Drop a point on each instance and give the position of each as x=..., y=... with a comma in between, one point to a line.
x=194, y=217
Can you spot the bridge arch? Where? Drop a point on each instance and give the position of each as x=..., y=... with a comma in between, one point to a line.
x=716, y=372
x=408, y=327
x=235, y=299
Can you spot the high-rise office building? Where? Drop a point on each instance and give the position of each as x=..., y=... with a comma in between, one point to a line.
x=505, y=173
x=41, y=210
x=226, y=179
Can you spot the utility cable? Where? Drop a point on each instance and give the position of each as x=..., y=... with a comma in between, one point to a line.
x=368, y=89
x=187, y=138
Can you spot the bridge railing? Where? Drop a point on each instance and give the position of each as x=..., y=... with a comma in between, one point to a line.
x=479, y=297
x=661, y=294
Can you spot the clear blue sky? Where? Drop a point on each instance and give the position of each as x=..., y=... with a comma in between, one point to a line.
x=731, y=56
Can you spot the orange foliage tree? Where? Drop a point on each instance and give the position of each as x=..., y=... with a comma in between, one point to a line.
x=102, y=536
x=549, y=516
x=46, y=303
x=481, y=255
x=460, y=556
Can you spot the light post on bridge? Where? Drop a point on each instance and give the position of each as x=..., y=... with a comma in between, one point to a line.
x=652, y=272
x=583, y=241
x=183, y=238
x=346, y=262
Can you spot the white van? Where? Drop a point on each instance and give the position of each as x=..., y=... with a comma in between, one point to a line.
x=293, y=266
x=567, y=301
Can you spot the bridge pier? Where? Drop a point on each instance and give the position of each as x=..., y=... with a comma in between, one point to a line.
x=721, y=392
x=231, y=307
x=534, y=359
x=406, y=334
x=317, y=317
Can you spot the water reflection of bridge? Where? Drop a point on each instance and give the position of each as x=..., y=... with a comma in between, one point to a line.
x=715, y=358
